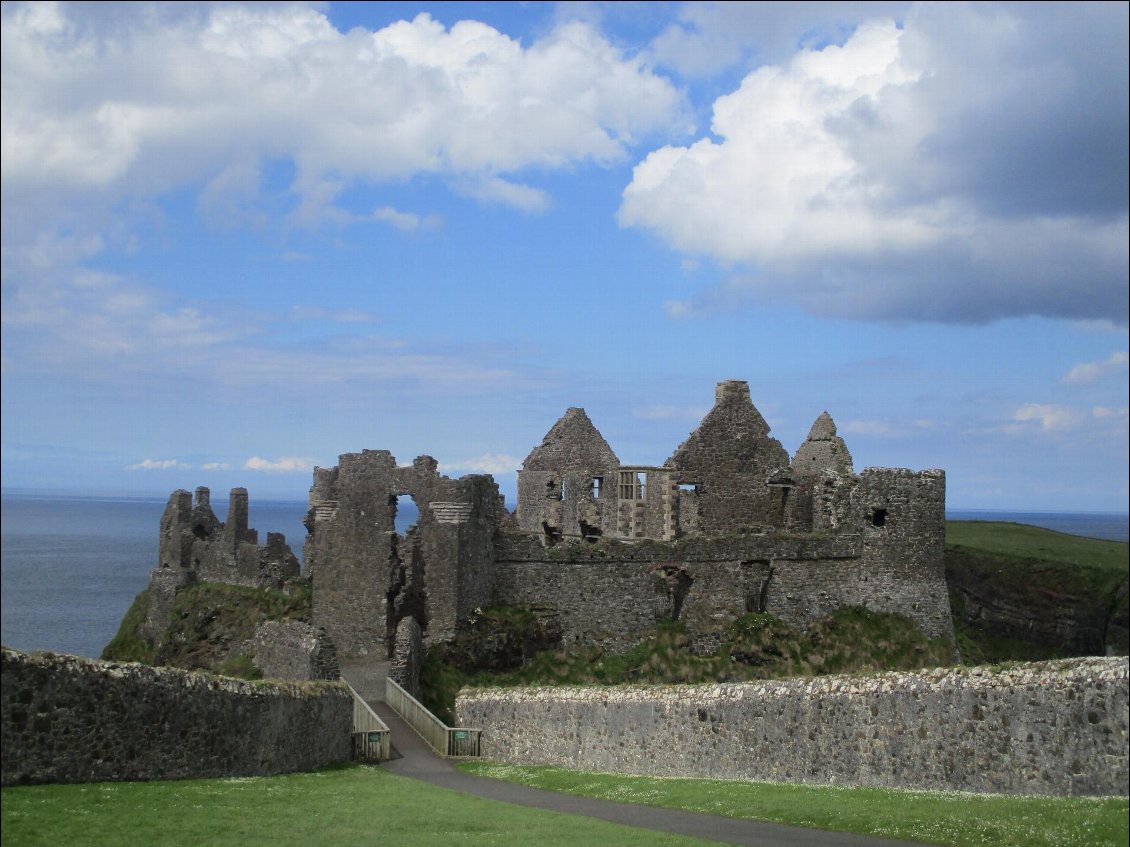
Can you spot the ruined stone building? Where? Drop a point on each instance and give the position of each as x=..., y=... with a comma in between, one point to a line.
x=729, y=524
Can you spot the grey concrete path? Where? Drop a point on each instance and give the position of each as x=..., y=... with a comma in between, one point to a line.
x=412, y=758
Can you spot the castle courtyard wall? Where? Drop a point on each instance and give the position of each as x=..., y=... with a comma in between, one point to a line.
x=612, y=594
x=69, y=719
x=1051, y=728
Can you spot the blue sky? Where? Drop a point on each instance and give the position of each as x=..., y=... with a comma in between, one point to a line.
x=239, y=240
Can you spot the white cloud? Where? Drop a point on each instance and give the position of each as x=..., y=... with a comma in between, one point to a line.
x=159, y=465
x=107, y=101
x=491, y=463
x=287, y=464
x=1045, y=417
x=496, y=190
x=1090, y=372
x=406, y=221
x=216, y=466
x=968, y=166
x=710, y=37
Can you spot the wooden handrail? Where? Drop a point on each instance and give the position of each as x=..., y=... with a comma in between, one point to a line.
x=371, y=735
x=443, y=739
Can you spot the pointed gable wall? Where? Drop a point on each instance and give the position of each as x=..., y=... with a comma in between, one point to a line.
x=555, y=484
x=822, y=451
x=730, y=458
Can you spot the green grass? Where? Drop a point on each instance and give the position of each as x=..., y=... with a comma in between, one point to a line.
x=210, y=622
x=950, y=818
x=1035, y=543
x=756, y=646
x=1019, y=566
x=333, y=808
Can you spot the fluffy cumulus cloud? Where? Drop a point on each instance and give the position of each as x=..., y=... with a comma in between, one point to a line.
x=109, y=109
x=145, y=98
x=968, y=165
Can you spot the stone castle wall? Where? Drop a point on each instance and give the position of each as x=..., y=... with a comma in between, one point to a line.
x=1054, y=728
x=367, y=578
x=69, y=719
x=612, y=594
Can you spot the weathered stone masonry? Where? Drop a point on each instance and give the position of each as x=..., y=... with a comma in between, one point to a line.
x=68, y=719
x=727, y=525
x=196, y=546
x=1047, y=728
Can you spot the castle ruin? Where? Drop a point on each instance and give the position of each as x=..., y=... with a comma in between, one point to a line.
x=728, y=525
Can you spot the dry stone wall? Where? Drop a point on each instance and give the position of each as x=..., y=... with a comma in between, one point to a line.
x=1055, y=728
x=69, y=719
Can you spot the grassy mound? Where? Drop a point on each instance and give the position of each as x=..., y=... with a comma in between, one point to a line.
x=211, y=625
x=756, y=646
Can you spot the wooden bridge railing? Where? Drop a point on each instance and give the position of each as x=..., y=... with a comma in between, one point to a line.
x=445, y=740
x=371, y=736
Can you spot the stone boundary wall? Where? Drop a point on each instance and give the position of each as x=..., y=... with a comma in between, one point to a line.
x=1053, y=728
x=70, y=719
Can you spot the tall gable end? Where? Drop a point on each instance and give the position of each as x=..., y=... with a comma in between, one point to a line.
x=572, y=442
x=729, y=460
x=733, y=435
x=822, y=451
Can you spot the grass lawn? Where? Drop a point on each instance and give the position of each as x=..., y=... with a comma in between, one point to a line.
x=930, y=817
x=333, y=808
x=1035, y=543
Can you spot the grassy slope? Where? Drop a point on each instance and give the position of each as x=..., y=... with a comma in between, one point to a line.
x=1051, y=576
x=930, y=817
x=757, y=646
x=1037, y=544
x=210, y=623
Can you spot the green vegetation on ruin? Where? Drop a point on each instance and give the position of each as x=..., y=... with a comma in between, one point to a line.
x=930, y=817
x=755, y=646
x=354, y=805
x=210, y=624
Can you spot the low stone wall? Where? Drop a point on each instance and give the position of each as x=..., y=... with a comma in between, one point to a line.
x=294, y=650
x=69, y=719
x=1055, y=728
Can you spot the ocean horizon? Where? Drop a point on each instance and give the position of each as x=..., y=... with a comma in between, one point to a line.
x=72, y=564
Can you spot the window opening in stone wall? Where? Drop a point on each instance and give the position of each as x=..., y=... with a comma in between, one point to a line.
x=627, y=485
x=689, y=486
x=553, y=491
x=597, y=483
x=878, y=517
x=633, y=485
x=405, y=513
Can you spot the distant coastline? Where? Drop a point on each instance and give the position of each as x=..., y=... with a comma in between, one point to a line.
x=1108, y=526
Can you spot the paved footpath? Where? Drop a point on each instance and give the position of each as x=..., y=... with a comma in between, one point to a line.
x=412, y=758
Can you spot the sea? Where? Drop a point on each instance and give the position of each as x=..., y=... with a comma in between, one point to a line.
x=71, y=565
